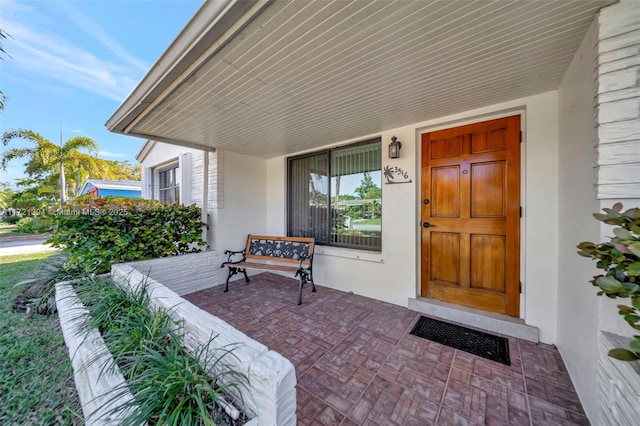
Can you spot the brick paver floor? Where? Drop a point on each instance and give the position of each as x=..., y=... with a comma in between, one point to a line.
x=357, y=364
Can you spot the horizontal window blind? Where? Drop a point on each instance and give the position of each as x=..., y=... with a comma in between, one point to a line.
x=308, y=197
x=352, y=221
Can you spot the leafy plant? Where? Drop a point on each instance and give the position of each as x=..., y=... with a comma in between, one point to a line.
x=620, y=259
x=101, y=231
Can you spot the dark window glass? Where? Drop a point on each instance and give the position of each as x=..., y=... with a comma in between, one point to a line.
x=336, y=196
x=169, y=187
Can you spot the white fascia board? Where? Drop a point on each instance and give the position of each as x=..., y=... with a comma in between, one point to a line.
x=145, y=150
x=123, y=187
x=172, y=141
x=208, y=25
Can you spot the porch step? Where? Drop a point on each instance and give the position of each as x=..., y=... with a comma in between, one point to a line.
x=493, y=323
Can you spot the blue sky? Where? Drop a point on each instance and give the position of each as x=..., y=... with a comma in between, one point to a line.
x=73, y=62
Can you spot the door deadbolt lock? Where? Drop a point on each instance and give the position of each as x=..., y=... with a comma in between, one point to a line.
x=425, y=201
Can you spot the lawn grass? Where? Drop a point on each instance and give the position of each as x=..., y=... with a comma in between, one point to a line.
x=377, y=221
x=36, y=379
x=7, y=230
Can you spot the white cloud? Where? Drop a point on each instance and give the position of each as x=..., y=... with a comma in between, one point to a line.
x=86, y=24
x=49, y=55
x=110, y=154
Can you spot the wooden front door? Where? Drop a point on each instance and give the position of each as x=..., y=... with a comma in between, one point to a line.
x=471, y=215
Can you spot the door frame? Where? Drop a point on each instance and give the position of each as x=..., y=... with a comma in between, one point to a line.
x=418, y=196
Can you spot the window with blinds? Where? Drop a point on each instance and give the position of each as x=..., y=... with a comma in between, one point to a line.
x=169, y=186
x=335, y=196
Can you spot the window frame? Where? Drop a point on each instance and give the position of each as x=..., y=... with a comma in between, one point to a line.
x=329, y=220
x=175, y=167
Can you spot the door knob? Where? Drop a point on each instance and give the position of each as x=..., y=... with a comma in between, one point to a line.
x=427, y=225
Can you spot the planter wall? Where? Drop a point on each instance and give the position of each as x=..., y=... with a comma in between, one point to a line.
x=94, y=371
x=201, y=268
x=270, y=398
x=617, y=383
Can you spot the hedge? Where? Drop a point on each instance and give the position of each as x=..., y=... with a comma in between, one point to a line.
x=97, y=232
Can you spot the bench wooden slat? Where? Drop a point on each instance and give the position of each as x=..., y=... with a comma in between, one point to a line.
x=267, y=267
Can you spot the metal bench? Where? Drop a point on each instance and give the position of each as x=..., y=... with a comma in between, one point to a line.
x=270, y=253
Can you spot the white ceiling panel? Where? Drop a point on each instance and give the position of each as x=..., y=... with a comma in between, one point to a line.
x=305, y=74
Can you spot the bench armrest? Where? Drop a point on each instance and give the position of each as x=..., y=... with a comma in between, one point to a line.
x=305, y=257
x=231, y=254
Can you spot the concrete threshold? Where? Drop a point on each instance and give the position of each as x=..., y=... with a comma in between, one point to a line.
x=475, y=318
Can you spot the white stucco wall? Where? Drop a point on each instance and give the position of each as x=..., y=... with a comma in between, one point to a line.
x=598, y=165
x=393, y=274
x=245, y=200
x=618, y=179
x=618, y=160
x=577, y=301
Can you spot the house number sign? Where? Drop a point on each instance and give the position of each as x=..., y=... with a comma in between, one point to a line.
x=395, y=175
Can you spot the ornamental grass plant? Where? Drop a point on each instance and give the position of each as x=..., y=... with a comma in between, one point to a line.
x=38, y=290
x=170, y=385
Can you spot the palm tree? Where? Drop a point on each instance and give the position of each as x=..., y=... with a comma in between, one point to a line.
x=3, y=35
x=47, y=157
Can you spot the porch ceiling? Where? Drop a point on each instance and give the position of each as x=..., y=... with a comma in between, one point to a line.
x=298, y=75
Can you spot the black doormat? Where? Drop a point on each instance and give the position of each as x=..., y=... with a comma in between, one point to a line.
x=476, y=342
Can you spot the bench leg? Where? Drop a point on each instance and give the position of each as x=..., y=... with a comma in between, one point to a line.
x=313, y=286
x=303, y=279
x=232, y=272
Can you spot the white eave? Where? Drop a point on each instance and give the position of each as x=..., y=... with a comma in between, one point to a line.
x=145, y=150
x=209, y=25
x=269, y=78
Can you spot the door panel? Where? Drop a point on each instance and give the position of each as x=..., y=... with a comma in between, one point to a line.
x=470, y=251
x=445, y=257
x=446, y=148
x=445, y=185
x=488, y=189
x=488, y=262
x=494, y=140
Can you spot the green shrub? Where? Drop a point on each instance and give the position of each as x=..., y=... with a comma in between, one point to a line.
x=99, y=231
x=32, y=225
x=11, y=219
